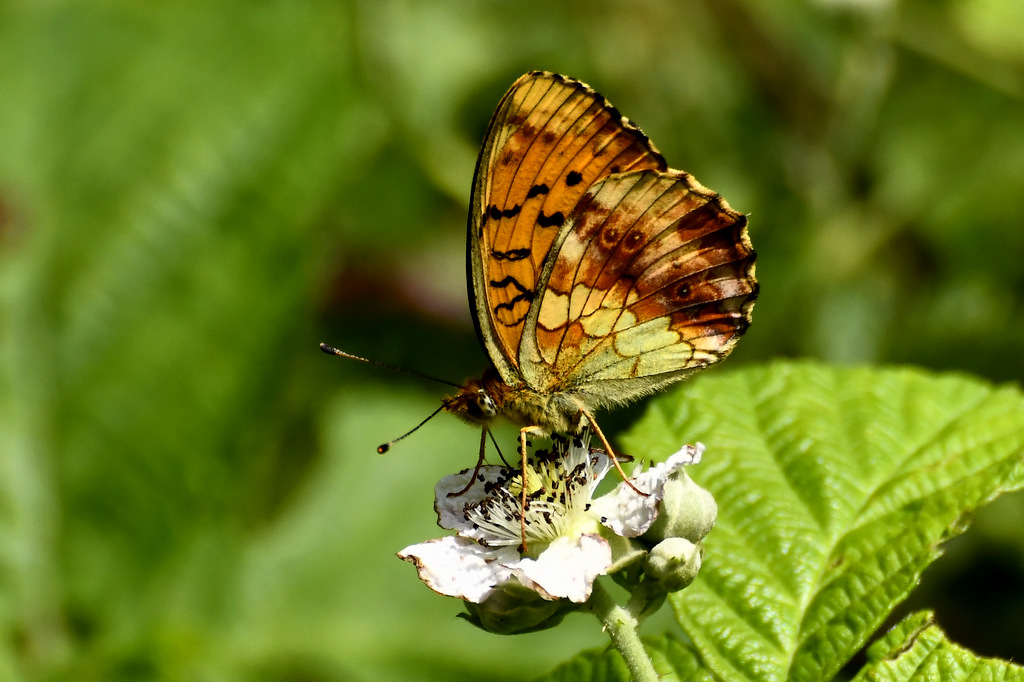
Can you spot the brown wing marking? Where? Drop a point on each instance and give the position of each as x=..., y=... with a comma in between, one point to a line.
x=655, y=275
x=550, y=140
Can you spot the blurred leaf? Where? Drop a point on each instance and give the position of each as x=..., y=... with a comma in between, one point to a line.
x=672, y=659
x=175, y=170
x=596, y=666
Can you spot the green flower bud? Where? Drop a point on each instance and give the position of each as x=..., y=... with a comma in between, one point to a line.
x=687, y=511
x=674, y=563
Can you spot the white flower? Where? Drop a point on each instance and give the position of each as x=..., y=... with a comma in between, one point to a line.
x=566, y=551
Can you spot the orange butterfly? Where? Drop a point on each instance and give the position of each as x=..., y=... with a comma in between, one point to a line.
x=597, y=274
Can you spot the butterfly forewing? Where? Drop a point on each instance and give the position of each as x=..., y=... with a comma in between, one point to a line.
x=652, y=278
x=550, y=140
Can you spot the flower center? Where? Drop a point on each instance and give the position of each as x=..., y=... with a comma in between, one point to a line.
x=560, y=485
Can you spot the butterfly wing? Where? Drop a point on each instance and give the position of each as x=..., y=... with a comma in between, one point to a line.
x=651, y=278
x=551, y=138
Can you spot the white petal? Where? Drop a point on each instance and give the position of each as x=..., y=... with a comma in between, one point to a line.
x=689, y=454
x=567, y=568
x=653, y=478
x=457, y=567
x=451, y=509
x=629, y=514
x=625, y=512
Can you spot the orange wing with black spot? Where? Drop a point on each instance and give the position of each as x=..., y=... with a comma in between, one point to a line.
x=550, y=140
x=651, y=279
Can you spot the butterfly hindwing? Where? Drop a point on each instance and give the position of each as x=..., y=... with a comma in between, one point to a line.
x=550, y=140
x=651, y=278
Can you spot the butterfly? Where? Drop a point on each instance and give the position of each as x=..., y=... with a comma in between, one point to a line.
x=597, y=274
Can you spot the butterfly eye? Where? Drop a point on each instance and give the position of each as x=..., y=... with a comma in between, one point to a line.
x=485, y=405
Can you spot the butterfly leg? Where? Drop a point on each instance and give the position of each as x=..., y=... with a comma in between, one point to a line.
x=608, y=449
x=523, y=432
x=479, y=463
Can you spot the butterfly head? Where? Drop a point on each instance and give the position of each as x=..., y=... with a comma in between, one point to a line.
x=479, y=401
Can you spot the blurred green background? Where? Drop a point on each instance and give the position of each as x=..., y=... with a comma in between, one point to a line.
x=193, y=195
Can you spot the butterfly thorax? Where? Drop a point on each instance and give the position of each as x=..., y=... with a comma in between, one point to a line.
x=482, y=400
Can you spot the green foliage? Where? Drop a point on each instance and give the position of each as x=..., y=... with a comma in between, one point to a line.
x=836, y=489
x=596, y=666
x=916, y=649
x=194, y=194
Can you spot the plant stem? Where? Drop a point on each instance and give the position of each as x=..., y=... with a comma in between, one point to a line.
x=622, y=628
x=647, y=598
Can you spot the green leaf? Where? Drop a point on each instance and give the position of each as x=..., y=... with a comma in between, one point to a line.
x=917, y=649
x=835, y=488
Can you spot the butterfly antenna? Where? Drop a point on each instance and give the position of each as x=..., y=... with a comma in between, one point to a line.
x=334, y=351
x=384, y=447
